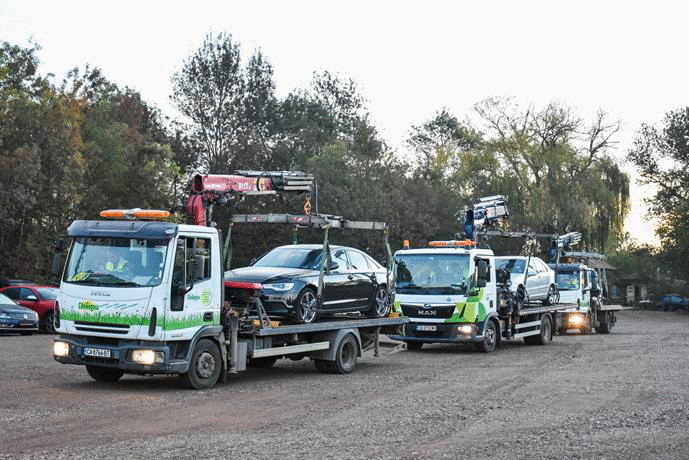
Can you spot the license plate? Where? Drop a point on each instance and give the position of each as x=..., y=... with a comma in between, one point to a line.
x=97, y=352
x=422, y=327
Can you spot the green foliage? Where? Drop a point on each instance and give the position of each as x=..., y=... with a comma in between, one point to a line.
x=662, y=159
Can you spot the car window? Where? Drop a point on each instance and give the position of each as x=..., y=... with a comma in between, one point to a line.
x=358, y=261
x=25, y=293
x=12, y=293
x=339, y=256
x=48, y=293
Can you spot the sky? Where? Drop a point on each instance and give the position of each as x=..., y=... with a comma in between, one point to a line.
x=409, y=59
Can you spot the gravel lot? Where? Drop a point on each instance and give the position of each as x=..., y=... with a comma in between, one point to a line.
x=623, y=395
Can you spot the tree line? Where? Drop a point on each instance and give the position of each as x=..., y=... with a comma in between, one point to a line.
x=73, y=148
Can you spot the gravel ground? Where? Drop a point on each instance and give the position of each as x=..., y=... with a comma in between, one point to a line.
x=618, y=396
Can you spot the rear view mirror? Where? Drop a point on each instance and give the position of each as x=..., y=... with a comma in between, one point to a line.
x=32, y=298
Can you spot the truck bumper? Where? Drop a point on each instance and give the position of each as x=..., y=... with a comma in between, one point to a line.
x=81, y=351
x=442, y=333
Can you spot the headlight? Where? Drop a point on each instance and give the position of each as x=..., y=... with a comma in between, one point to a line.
x=576, y=320
x=279, y=286
x=467, y=329
x=147, y=357
x=61, y=349
x=4, y=316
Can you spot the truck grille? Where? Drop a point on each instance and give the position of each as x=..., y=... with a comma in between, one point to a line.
x=440, y=311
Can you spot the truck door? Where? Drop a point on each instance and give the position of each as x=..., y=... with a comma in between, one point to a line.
x=192, y=297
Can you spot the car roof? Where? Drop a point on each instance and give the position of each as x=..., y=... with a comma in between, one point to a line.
x=313, y=246
x=28, y=286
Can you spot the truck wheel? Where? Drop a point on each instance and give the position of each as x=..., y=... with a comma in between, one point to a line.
x=545, y=336
x=346, y=355
x=381, y=303
x=204, y=368
x=552, y=297
x=104, y=374
x=262, y=363
x=606, y=324
x=490, y=339
x=306, y=307
x=48, y=324
x=414, y=346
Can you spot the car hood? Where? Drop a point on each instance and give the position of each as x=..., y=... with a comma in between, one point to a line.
x=267, y=274
x=14, y=309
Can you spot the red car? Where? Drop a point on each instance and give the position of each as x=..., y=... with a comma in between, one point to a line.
x=40, y=299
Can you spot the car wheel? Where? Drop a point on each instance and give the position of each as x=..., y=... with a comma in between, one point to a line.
x=204, y=368
x=520, y=297
x=381, y=303
x=306, y=307
x=48, y=324
x=104, y=374
x=553, y=296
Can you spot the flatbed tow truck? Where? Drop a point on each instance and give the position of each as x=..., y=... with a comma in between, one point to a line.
x=157, y=305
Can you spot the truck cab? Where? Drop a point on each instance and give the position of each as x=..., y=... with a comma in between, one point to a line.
x=136, y=296
x=439, y=289
x=578, y=285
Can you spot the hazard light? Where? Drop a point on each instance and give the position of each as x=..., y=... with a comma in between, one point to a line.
x=135, y=213
x=451, y=243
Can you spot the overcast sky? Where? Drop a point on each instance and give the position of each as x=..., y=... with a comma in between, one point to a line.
x=409, y=59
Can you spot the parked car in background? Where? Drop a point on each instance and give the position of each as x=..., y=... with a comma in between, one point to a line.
x=289, y=275
x=14, y=282
x=15, y=318
x=40, y=299
x=672, y=302
x=537, y=284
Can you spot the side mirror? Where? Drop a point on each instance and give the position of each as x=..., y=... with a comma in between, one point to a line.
x=32, y=298
x=334, y=265
x=253, y=261
x=481, y=273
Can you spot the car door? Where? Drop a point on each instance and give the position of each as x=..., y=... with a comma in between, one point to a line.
x=538, y=279
x=339, y=286
x=365, y=278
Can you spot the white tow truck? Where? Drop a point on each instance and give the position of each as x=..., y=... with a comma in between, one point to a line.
x=583, y=287
x=141, y=295
x=452, y=293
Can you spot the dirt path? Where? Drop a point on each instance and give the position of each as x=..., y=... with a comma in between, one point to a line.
x=623, y=395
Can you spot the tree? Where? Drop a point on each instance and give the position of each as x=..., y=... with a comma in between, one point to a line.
x=558, y=169
x=662, y=158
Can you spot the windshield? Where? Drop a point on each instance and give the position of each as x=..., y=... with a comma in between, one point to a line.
x=4, y=300
x=291, y=258
x=512, y=265
x=116, y=262
x=432, y=273
x=568, y=281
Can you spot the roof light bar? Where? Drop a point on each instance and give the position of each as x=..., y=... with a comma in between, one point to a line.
x=451, y=243
x=135, y=213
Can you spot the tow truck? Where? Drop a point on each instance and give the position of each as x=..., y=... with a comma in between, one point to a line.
x=453, y=292
x=159, y=306
x=583, y=286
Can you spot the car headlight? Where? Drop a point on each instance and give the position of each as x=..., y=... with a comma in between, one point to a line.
x=61, y=349
x=279, y=286
x=147, y=357
x=576, y=320
x=4, y=316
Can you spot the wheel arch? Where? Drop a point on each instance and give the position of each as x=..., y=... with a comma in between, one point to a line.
x=214, y=334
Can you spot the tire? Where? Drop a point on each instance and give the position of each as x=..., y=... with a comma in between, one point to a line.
x=381, y=303
x=48, y=324
x=490, y=339
x=606, y=324
x=345, y=356
x=306, y=307
x=104, y=374
x=414, y=346
x=553, y=296
x=546, y=333
x=262, y=363
x=204, y=368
